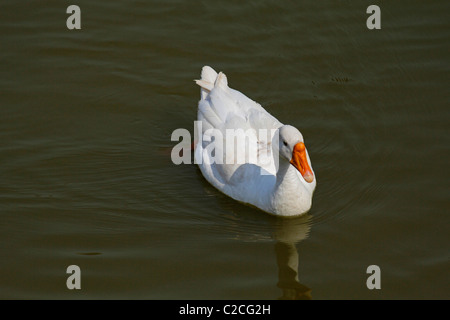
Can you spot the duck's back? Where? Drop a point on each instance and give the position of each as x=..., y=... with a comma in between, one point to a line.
x=223, y=111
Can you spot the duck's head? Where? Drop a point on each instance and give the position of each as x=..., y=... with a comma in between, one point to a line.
x=292, y=148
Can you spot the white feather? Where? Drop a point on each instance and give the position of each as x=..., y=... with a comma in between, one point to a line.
x=259, y=181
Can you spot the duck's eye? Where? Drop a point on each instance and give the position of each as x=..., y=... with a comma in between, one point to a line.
x=285, y=143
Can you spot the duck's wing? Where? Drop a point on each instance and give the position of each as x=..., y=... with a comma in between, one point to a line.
x=246, y=171
x=226, y=111
x=226, y=102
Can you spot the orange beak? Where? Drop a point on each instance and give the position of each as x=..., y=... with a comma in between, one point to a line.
x=300, y=162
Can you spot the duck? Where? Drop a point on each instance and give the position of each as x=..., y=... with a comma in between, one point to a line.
x=248, y=154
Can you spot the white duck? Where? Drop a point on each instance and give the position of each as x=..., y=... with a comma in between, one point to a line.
x=280, y=179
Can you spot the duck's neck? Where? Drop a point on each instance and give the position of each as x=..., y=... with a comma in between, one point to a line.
x=290, y=196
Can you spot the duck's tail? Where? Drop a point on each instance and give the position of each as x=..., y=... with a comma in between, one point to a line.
x=210, y=79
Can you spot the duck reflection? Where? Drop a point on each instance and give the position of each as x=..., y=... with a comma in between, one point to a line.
x=249, y=224
x=288, y=233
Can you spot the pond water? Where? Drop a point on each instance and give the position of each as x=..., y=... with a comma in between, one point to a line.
x=86, y=177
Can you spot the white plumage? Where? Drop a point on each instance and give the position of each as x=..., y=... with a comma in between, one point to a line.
x=271, y=169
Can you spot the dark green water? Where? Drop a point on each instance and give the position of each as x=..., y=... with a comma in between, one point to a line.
x=86, y=177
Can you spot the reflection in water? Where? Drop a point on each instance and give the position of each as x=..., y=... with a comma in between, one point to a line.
x=288, y=233
x=254, y=225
